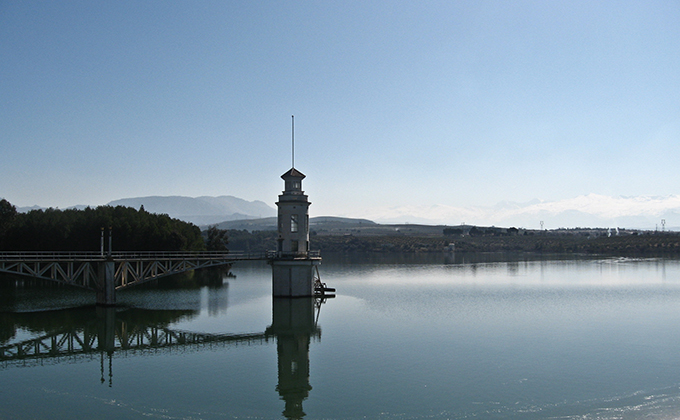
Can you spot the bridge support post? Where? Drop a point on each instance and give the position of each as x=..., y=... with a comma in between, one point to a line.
x=106, y=284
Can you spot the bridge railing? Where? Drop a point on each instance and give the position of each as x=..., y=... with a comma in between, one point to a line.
x=144, y=255
x=128, y=255
x=179, y=255
x=292, y=255
x=46, y=255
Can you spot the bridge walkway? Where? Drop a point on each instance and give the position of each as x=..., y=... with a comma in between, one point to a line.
x=106, y=273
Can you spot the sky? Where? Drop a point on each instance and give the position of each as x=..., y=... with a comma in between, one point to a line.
x=396, y=103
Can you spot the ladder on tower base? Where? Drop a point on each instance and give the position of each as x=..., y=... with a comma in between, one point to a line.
x=320, y=288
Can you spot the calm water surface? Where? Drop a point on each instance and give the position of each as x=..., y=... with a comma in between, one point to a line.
x=405, y=338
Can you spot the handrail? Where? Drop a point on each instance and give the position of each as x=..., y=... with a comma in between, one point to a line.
x=84, y=255
x=293, y=255
x=138, y=255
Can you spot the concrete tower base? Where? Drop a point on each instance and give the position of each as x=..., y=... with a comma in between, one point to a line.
x=293, y=278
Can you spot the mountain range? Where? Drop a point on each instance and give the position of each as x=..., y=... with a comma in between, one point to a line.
x=592, y=210
x=201, y=210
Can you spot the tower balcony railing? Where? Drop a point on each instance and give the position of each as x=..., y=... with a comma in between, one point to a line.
x=290, y=255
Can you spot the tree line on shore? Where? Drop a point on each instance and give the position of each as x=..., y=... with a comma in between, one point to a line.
x=533, y=242
x=81, y=230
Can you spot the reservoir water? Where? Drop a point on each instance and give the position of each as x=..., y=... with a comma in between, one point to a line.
x=407, y=337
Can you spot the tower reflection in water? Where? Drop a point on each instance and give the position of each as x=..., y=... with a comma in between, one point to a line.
x=293, y=325
x=78, y=334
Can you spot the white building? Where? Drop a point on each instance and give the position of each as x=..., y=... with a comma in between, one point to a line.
x=293, y=217
x=293, y=268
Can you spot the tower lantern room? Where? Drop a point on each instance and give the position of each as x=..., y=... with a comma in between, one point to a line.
x=293, y=217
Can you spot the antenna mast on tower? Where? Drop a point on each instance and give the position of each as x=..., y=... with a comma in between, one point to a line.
x=293, y=141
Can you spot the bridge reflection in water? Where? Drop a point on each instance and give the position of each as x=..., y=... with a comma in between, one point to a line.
x=87, y=333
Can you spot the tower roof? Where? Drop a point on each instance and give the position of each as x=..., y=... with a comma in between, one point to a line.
x=293, y=173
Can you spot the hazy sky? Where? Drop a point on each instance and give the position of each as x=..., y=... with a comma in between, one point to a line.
x=460, y=103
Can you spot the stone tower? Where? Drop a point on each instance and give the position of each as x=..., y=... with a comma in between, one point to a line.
x=293, y=216
x=293, y=265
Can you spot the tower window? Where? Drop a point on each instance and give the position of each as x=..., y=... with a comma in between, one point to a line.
x=293, y=223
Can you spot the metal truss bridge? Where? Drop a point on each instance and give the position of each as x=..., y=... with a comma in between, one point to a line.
x=86, y=344
x=72, y=344
x=106, y=273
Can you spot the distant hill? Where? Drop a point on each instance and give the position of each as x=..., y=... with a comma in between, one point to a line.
x=26, y=209
x=200, y=210
x=324, y=224
x=592, y=210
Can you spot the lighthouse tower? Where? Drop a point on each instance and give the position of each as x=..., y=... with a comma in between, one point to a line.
x=293, y=265
x=293, y=217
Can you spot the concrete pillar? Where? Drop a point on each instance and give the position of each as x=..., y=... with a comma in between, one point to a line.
x=106, y=283
x=293, y=278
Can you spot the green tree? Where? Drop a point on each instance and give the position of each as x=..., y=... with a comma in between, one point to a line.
x=217, y=239
x=7, y=214
x=80, y=230
x=475, y=231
